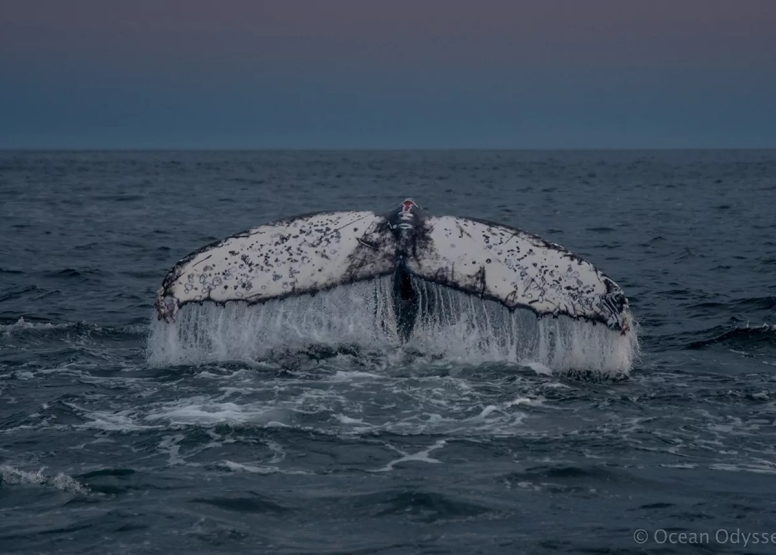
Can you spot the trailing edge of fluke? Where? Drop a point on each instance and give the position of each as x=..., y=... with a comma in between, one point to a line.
x=311, y=253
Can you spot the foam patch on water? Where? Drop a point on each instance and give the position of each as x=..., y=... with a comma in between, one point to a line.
x=22, y=325
x=420, y=456
x=62, y=482
x=450, y=325
x=253, y=469
x=436, y=404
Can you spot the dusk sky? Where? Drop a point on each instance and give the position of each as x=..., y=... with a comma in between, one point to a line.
x=387, y=74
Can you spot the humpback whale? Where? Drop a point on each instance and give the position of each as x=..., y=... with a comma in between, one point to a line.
x=307, y=254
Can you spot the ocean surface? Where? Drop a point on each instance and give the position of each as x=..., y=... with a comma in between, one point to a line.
x=334, y=450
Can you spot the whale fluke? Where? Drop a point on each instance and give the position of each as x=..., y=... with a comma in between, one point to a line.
x=517, y=269
x=311, y=253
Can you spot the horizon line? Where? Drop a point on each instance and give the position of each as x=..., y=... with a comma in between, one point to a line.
x=376, y=149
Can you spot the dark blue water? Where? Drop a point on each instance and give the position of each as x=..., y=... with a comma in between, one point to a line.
x=312, y=452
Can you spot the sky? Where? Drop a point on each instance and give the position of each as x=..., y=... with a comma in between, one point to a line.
x=387, y=74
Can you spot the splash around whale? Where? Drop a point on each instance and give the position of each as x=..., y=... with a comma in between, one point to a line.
x=457, y=287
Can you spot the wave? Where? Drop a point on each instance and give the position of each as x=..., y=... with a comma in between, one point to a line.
x=67, y=273
x=19, y=292
x=459, y=328
x=24, y=329
x=745, y=305
x=764, y=335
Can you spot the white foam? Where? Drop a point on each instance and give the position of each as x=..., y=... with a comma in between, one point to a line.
x=62, y=482
x=525, y=401
x=21, y=325
x=123, y=421
x=420, y=456
x=202, y=411
x=450, y=325
x=253, y=469
x=348, y=420
x=754, y=468
x=239, y=467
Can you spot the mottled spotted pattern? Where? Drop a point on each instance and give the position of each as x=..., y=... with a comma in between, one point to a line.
x=518, y=269
x=289, y=257
x=316, y=252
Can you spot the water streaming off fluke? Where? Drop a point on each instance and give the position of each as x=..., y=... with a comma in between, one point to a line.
x=449, y=324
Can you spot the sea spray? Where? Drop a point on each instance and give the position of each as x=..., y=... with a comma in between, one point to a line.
x=360, y=314
x=449, y=324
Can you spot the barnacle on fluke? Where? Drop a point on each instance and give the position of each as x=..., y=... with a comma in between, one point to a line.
x=311, y=253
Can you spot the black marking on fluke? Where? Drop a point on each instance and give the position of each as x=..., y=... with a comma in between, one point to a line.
x=317, y=252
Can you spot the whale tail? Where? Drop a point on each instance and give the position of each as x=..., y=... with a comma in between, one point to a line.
x=312, y=253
